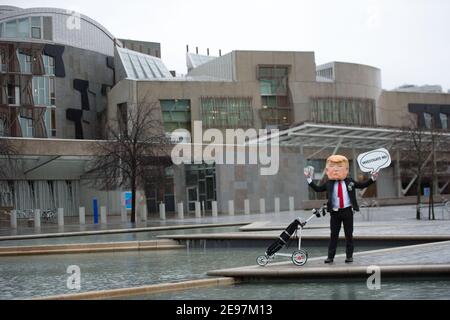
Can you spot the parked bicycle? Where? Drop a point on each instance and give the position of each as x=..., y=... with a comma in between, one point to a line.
x=25, y=214
x=49, y=215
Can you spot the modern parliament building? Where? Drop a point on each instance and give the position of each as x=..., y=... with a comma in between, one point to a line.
x=64, y=76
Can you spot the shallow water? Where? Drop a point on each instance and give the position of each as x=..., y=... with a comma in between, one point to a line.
x=31, y=276
x=341, y=289
x=131, y=236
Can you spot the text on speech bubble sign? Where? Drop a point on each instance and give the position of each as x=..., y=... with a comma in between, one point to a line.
x=374, y=161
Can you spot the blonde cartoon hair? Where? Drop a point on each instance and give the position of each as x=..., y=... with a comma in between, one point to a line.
x=338, y=159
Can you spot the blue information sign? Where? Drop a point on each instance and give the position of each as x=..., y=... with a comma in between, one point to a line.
x=127, y=196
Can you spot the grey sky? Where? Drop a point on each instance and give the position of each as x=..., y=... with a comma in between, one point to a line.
x=408, y=40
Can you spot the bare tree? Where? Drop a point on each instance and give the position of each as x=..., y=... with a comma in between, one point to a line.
x=136, y=150
x=424, y=143
x=417, y=153
x=438, y=145
x=7, y=163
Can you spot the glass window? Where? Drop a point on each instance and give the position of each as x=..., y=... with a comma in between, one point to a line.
x=36, y=27
x=1, y=30
x=36, y=22
x=25, y=63
x=26, y=126
x=341, y=110
x=50, y=122
x=11, y=29
x=227, y=112
x=2, y=127
x=428, y=120
x=49, y=65
x=444, y=120
x=53, y=122
x=176, y=114
x=52, y=91
x=23, y=28
x=36, y=33
x=3, y=65
x=41, y=91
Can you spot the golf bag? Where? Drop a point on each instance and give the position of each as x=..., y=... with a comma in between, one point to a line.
x=287, y=234
x=284, y=238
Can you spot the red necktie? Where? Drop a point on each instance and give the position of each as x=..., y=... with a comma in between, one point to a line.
x=340, y=195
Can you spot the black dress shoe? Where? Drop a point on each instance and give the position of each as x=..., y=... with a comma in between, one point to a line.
x=328, y=260
x=349, y=260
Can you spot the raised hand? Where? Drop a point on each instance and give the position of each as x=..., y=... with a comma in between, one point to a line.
x=374, y=176
x=309, y=172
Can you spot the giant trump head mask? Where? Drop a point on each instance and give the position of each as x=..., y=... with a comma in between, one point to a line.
x=337, y=167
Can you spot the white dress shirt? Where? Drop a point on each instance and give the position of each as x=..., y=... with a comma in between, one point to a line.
x=335, y=200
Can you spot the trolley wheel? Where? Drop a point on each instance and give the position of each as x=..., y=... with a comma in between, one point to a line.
x=299, y=258
x=262, y=260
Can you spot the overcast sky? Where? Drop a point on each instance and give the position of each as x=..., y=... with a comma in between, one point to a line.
x=408, y=40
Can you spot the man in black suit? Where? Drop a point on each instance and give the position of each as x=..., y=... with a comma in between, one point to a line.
x=341, y=202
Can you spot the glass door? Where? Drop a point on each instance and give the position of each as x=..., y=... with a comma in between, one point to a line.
x=192, y=197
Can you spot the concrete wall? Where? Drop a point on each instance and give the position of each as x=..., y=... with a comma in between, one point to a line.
x=351, y=80
x=240, y=182
x=110, y=199
x=70, y=28
x=190, y=90
x=84, y=65
x=392, y=109
x=52, y=147
x=222, y=68
x=387, y=184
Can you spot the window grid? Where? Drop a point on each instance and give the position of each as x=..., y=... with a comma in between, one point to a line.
x=176, y=114
x=227, y=112
x=343, y=110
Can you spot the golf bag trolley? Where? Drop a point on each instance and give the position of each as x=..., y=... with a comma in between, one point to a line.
x=298, y=257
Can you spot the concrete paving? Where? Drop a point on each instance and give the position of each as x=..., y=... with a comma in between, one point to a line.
x=90, y=248
x=62, y=233
x=367, y=216
x=418, y=260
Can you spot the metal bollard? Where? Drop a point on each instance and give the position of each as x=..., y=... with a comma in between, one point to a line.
x=262, y=206
x=180, y=210
x=247, y=206
x=144, y=212
x=277, y=205
x=198, y=211
x=214, y=208
x=162, y=211
x=61, y=217
x=123, y=213
x=14, y=219
x=37, y=218
x=291, y=204
x=231, y=207
x=82, y=214
x=103, y=215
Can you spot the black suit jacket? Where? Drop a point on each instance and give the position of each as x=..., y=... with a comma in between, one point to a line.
x=351, y=184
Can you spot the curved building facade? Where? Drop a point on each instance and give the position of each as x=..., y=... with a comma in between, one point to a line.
x=56, y=66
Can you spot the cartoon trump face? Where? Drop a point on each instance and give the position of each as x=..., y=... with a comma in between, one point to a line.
x=337, y=167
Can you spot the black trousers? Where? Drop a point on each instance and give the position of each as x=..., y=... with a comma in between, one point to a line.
x=344, y=216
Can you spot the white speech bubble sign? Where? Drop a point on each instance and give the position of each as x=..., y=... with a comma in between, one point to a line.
x=374, y=161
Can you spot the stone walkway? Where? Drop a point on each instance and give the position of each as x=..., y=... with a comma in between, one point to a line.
x=418, y=260
x=393, y=214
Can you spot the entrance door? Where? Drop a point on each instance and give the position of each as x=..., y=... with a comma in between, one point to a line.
x=192, y=197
